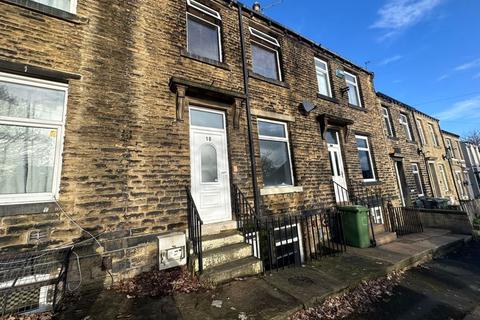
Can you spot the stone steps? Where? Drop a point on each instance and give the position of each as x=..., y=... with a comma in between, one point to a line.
x=378, y=228
x=385, y=237
x=225, y=254
x=224, y=238
x=245, y=267
x=216, y=228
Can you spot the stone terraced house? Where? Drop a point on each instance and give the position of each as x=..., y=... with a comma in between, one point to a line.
x=111, y=110
x=456, y=162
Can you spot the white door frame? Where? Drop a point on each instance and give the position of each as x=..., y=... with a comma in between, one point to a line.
x=223, y=173
x=399, y=181
x=338, y=165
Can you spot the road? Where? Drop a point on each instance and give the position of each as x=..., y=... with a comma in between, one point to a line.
x=445, y=288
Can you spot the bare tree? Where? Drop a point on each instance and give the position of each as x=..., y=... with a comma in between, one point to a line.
x=473, y=137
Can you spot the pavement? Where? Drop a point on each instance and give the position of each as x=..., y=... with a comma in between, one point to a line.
x=279, y=294
x=445, y=288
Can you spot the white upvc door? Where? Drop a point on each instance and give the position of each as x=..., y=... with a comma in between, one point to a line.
x=209, y=165
x=398, y=173
x=336, y=162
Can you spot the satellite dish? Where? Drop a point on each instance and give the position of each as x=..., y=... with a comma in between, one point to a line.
x=308, y=106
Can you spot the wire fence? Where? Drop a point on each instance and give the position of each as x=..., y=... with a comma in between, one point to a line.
x=33, y=281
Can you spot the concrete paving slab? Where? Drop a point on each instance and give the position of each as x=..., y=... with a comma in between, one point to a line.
x=253, y=298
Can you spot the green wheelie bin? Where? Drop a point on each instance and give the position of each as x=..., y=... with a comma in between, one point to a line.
x=355, y=226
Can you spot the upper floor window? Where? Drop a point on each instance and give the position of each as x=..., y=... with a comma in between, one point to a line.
x=323, y=78
x=65, y=5
x=443, y=176
x=203, y=31
x=354, y=90
x=433, y=135
x=459, y=148
x=421, y=133
x=265, y=55
x=366, y=160
x=275, y=153
x=406, y=126
x=32, y=114
x=448, y=144
x=387, y=122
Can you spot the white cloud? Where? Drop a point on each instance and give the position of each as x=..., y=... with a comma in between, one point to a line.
x=467, y=108
x=390, y=60
x=443, y=77
x=398, y=15
x=469, y=65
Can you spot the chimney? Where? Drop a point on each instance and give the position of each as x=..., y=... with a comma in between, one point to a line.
x=256, y=7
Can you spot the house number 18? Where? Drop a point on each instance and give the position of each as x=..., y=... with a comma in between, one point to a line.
x=209, y=139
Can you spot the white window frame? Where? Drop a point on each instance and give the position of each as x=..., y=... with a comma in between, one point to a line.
x=59, y=126
x=368, y=149
x=277, y=55
x=421, y=133
x=203, y=8
x=264, y=37
x=433, y=135
x=357, y=88
x=219, y=33
x=416, y=172
x=441, y=168
x=406, y=126
x=448, y=144
x=324, y=73
x=279, y=139
x=72, y=10
x=386, y=116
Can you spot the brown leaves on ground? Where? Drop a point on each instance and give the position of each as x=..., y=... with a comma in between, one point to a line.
x=157, y=283
x=357, y=300
x=38, y=316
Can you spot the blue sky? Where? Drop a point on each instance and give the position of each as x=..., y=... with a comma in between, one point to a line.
x=424, y=52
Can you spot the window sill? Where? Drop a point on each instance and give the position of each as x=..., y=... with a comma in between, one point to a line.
x=393, y=138
x=357, y=107
x=211, y=62
x=331, y=99
x=9, y=209
x=280, y=190
x=411, y=142
x=254, y=75
x=49, y=11
x=372, y=183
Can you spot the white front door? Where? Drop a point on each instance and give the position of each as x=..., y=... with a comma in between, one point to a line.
x=336, y=163
x=209, y=165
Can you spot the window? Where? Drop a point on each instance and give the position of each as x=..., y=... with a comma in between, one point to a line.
x=323, y=78
x=406, y=126
x=433, y=135
x=265, y=55
x=203, y=31
x=460, y=184
x=434, y=178
x=64, y=5
x=387, y=122
x=354, y=91
x=421, y=133
x=418, y=179
x=450, y=149
x=443, y=175
x=208, y=161
x=275, y=153
x=31, y=137
x=365, y=155
x=459, y=148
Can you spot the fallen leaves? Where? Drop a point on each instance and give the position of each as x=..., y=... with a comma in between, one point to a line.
x=157, y=283
x=38, y=316
x=357, y=300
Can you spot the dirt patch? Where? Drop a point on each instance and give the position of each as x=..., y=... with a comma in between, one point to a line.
x=157, y=283
x=357, y=300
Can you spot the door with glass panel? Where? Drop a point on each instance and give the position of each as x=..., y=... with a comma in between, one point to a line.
x=336, y=164
x=209, y=165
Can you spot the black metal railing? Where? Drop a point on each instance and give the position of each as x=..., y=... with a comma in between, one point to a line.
x=195, y=224
x=247, y=219
x=33, y=282
x=402, y=220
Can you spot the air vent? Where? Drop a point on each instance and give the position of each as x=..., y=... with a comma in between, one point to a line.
x=38, y=236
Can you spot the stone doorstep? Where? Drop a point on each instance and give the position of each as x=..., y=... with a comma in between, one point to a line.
x=221, y=239
x=383, y=238
x=216, y=228
x=225, y=254
x=245, y=267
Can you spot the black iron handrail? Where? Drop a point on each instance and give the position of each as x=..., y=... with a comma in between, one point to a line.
x=195, y=224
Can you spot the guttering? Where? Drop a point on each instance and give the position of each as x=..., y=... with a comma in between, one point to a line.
x=256, y=192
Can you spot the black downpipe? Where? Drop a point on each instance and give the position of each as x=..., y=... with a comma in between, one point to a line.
x=249, y=115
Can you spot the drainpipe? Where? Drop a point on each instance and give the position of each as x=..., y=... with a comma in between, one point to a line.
x=253, y=164
x=423, y=154
x=448, y=156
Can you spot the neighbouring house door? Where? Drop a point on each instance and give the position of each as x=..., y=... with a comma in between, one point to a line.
x=402, y=182
x=336, y=164
x=433, y=177
x=209, y=165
